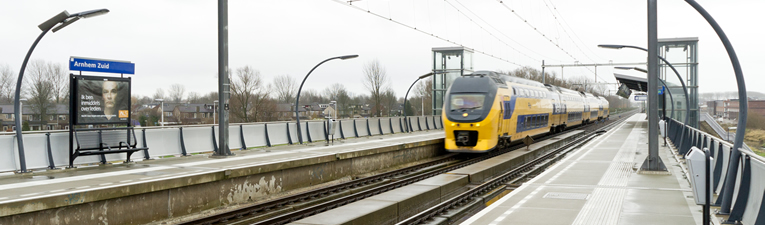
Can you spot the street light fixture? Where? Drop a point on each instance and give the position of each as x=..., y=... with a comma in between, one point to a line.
x=161, y=110
x=406, y=122
x=64, y=19
x=297, y=98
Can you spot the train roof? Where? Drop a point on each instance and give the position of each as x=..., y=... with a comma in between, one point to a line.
x=511, y=79
x=568, y=91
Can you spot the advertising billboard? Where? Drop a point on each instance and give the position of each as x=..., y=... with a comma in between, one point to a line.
x=101, y=100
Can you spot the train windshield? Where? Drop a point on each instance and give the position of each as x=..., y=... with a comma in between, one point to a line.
x=467, y=101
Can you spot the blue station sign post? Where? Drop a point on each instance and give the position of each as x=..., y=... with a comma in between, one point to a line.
x=101, y=65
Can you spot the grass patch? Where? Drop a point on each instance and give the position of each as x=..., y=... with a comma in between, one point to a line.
x=755, y=138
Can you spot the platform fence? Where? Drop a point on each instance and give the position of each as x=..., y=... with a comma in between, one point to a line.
x=48, y=149
x=749, y=190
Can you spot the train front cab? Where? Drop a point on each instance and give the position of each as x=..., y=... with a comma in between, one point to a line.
x=472, y=115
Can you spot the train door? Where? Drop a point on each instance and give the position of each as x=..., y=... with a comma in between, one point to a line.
x=506, y=115
x=500, y=118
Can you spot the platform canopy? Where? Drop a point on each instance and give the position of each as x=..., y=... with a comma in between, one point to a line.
x=634, y=83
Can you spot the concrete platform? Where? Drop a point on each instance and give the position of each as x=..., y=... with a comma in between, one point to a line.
x=489, y=168
x=598, y=184
x=412, y=199
x=156, y=190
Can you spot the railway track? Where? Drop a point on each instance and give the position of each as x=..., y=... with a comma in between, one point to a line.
x=514, y=176
x=363, y=188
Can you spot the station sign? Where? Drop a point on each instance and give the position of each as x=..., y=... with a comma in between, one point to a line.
x=101, y=65
x=641, y=98
x=661, y=91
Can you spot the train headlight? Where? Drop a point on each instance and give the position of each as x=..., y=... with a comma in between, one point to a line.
x=478, y=124
x=453, y=124
x=464, y=115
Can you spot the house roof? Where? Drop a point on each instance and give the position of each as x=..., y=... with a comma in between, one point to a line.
x=287, y=107
x=191, y=108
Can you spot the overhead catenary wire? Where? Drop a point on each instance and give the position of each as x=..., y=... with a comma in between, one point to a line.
x=554, y=8
x=499, y=31
x=555, y=17
x=349, y=4
x=537, y=30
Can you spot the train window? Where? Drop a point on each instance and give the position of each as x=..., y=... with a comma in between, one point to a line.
x=528, y=122
x=514, y=92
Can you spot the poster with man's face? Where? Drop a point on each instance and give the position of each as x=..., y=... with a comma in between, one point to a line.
x=102, y=100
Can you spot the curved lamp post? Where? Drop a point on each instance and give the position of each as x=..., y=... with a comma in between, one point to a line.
x=406, y=122
x=729, y=184
x=64, y=19
x=687, y=101
x=297, y=98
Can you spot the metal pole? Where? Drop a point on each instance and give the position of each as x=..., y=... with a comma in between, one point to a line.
x=223, y=83
x=543, y=72
x=17, y=104
x=405, y=100
x=653, y=161
x=742, y=108
x=596, y=79
x=162, y=113
x=707, y=194
x=297, y=98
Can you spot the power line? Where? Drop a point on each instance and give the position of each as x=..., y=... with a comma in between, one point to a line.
x=498, y=30
x=566, y=32
x=422, y=31
x=484, y=29
x=572, y=30
x=537, y=30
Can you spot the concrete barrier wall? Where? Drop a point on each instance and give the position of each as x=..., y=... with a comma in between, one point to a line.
x=347, y=126
x=166, y=141
x=374, y=126
x=361, y=127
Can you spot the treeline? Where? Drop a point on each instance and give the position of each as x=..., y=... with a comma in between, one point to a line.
x=254, y=99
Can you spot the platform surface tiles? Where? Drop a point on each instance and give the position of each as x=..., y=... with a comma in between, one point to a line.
x=598, y=184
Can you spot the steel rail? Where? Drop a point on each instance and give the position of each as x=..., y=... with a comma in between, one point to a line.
x=511, y=176
x=271, y=205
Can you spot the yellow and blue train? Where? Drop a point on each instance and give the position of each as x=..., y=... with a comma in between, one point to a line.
x=487, y=110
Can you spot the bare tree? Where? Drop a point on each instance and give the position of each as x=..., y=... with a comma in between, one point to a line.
x=285, y=88
x=40, y=89
x=337, y=92
x=424, y=91
x=311, y=96
x=264, y=107
x=7, y=83
x=390, y=101
x=177, y=92
x=159, y=94
x=58, y=77
x=194, y=97
x=244, y=89
x=376, y=81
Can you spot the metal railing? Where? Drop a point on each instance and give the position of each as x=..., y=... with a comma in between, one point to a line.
x=747, y=204
x=49, y=149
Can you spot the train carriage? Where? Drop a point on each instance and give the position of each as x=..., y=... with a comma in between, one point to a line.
x=486, y=110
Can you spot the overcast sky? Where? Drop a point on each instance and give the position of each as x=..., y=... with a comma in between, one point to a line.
x=176, y=41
